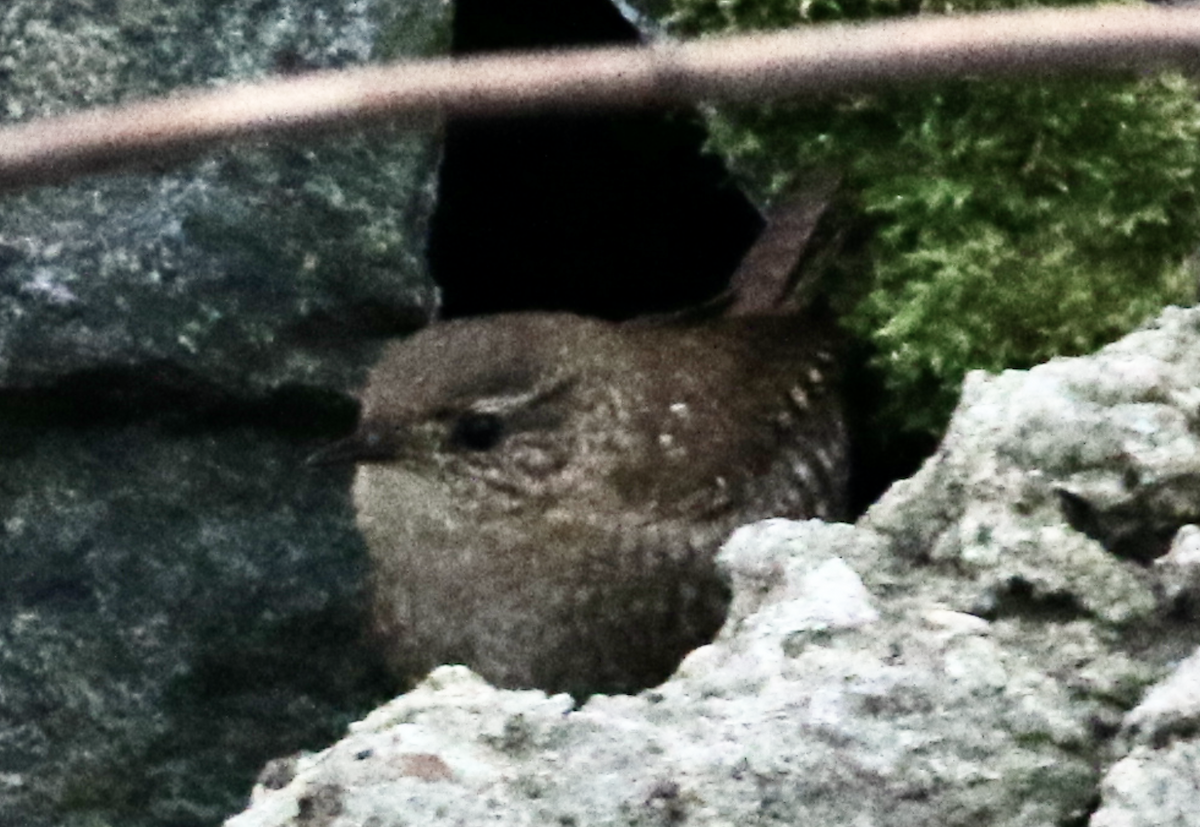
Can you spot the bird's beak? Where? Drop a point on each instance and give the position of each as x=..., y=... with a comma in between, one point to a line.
x=365, y=445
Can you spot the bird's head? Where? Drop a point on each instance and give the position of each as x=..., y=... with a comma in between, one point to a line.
x=484, y=401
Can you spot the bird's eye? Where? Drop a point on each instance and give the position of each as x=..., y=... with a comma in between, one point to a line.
x=477, y=431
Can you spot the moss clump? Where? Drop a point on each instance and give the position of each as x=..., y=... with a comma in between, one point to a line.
x=1006, y=222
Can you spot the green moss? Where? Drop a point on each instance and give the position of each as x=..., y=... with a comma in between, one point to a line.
x=1006, y=221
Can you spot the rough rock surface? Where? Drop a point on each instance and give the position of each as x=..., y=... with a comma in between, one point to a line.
x=1004, y=639
x=1158, y=779
x=174, y=589
x=228, y=272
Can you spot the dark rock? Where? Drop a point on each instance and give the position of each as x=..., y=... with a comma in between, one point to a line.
x=179, y=597
x=237, y=267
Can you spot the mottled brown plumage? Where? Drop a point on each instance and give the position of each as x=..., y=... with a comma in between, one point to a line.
x=543, y=494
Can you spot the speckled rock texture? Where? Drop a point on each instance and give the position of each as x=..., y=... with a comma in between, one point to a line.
x=1158, y=780
x=176, y=589
x=1007, y=638
x=232, y=272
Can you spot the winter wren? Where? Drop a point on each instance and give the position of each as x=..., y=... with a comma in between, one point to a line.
x=543, y=494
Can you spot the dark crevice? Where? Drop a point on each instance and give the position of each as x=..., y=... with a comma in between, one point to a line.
x=1184, y=609
x=358, y=318
x=1084, y=816
x=1019, y=598
x=175, y=399
x=612, y=215
x=878, y=457
x=1129, y=531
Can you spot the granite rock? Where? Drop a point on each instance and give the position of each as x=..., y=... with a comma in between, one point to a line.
x=175, y=590
x=236, y=273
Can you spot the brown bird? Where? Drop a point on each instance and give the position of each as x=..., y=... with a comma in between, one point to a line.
x=543, y=494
